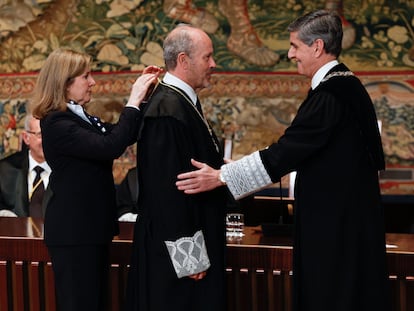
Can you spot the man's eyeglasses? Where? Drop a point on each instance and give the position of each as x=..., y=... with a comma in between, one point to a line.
x=37, y=134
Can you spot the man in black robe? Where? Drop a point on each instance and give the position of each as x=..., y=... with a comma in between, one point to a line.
x=179, y=240
x=334, y=145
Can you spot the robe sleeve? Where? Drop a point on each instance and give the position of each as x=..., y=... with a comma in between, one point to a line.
x=310, y=131
x=246, y=176
x=188, y=255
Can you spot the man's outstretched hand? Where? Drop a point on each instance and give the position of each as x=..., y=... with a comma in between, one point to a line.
x=204, y=179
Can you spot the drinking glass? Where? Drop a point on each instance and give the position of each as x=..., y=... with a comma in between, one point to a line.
x=234, y=224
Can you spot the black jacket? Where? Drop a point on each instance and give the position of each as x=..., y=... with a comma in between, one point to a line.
x=13, y=183
x=82, y=207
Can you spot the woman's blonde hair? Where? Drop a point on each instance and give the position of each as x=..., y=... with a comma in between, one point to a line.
x=58, y=72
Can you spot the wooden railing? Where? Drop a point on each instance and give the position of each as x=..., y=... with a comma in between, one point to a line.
x=259, y=269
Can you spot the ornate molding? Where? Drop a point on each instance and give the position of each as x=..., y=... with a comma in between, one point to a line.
x=249, y=85
x=16, y=86
x=223, y=85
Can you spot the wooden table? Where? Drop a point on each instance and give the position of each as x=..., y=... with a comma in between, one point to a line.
x=259, y=269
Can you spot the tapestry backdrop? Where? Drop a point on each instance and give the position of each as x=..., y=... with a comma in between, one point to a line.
x=256, y=90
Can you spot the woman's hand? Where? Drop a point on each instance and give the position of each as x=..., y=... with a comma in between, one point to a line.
x=143, y=85
x=153, y=69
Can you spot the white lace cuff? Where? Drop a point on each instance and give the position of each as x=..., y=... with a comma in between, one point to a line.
x=189, y=255
x=246, y=176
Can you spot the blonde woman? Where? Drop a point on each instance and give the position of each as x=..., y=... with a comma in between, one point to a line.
x=81, y=218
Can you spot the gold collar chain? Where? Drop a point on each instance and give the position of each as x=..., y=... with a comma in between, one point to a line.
x=337, y=74
x=35, y=187
x=196, y=110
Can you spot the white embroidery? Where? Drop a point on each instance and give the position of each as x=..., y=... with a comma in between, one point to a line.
x=189, y=255
x=246, y=176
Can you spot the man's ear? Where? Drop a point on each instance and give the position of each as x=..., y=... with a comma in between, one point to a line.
x=319, y=46
x=26, y=138
x=182, y=60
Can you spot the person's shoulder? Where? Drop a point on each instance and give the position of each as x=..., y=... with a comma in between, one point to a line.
x=339, y=80
x=15, y=159
x=58, y=116
x=165, y=94
x=166, y=102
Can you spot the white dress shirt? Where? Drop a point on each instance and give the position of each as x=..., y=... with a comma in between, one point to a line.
x=32, y=174
x=321, y=73
x=177, y=82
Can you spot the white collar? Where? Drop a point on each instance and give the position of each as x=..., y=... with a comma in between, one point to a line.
x=177, y=82
x=78, y=110
x=33, y=163
x=321, y=73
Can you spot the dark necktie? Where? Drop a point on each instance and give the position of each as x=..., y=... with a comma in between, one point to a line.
x=198, y=106
x=96, y=122
x=36, y=198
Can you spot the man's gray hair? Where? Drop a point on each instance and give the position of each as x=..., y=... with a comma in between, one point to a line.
x=178, y=41
x=321, y=24
x=27, y=120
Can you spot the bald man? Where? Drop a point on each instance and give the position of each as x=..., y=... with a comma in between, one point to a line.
x=179, y=240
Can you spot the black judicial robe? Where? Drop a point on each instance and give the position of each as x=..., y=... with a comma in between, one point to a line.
x=171, y=135
x=339, y=244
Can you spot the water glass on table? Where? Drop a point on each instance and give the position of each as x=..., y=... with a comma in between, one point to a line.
x=234, y=225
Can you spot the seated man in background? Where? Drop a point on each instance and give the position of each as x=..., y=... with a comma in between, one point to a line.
x=21, y=189
x=127, y=197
